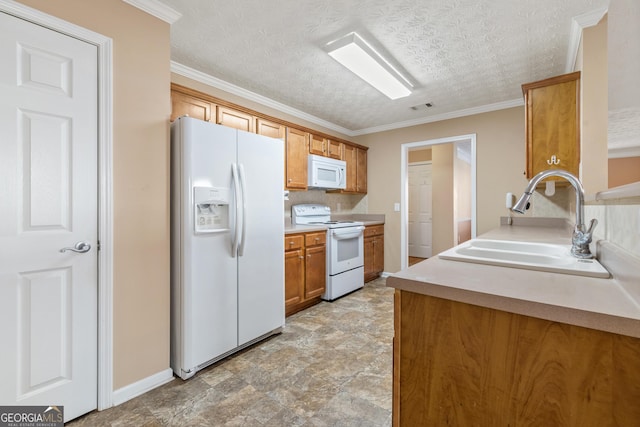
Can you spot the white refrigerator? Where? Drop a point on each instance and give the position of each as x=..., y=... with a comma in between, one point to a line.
x=227, y=242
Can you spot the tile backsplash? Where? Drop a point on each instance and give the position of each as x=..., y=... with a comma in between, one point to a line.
x=343, y=204
x=618, y=219
x=618, y=222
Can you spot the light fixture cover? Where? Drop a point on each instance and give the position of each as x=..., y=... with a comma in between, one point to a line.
x=362, y=60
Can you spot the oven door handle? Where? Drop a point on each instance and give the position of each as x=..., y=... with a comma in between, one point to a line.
x=347, y=233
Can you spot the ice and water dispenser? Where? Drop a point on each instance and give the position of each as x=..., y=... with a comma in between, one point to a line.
x=211, y=209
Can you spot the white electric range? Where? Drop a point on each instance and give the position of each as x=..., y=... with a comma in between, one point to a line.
x=345, y=248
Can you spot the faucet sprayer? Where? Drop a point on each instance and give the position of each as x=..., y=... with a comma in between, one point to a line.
x=581, y=237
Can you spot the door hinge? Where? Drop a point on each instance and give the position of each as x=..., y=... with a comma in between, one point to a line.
x=98, y=246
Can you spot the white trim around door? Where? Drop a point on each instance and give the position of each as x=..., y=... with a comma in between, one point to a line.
x=404, y=187
x=105, y=179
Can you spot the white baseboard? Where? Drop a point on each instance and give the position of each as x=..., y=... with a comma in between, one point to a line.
x=140, y=387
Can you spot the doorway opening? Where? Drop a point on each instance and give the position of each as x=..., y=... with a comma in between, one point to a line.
x=438, y=204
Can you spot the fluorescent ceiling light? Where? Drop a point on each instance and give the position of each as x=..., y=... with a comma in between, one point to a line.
x=362, y=60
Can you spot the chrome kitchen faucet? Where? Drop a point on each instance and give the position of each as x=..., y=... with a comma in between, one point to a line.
x=581, y=238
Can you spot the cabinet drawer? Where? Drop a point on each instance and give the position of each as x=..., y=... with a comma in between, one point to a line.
x=293, y=242
x=312, y=239
x=374, y=230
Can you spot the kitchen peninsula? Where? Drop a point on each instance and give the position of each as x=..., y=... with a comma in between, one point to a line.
x=485, y=345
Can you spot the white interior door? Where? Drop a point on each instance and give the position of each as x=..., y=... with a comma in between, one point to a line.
x=48, y=171
x=420, y=211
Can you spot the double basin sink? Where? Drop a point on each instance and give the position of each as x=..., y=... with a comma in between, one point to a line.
x=525, y=255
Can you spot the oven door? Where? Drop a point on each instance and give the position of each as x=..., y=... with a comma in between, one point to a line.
x=346, y=249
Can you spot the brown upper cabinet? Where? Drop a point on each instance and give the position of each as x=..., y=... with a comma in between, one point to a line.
x=552, y=125
x=317, y=145
x=334, y=149
x=296, y=151
x=234, y=119
x=270, y=129
x=299, y=142
x=325, y=147
x=187, y=105
x=356, y=159
x=361, y=171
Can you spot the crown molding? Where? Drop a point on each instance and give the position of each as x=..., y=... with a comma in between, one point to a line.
x=217, y=83
x=578, y=24
x=444, y=116
x=157, y=9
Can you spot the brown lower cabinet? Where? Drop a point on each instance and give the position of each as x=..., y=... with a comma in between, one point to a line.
x=456, y=364
x=373, y=252
x=305, y=260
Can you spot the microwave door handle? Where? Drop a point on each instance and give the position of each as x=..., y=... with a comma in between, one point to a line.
x=244, y=210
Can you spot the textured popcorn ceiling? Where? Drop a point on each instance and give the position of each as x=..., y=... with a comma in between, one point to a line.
x=460, y=53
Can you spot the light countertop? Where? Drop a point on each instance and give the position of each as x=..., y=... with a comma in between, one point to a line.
x=611, y=305
x=367, y=219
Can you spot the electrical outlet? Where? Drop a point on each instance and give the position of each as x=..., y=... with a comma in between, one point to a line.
x=396, y=207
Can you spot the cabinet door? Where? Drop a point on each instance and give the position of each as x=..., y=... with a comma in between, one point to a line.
x=553, y=125
x=293, y=278
x=351, y=158
x=234, y=119
x=270, y=129
x=187, y=105
x=378, y=255
x=297, y=150
x=369, y=258
x=334, y=149
x=361, y=171
x=315, y=271
x=317, y=145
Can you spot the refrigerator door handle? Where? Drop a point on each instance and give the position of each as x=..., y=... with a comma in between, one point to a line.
x=236, y=230
x=244, y=210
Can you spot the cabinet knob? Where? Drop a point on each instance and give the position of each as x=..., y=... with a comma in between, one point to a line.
x=291, y=243
x=317, y=238
x=289, y=180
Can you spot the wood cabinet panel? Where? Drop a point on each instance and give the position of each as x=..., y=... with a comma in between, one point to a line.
x=294, y=242
x=334, y=149
x=315, y=271
x=361, y=171
x=552, y=124
x=234, y=119
x=373, y=252
x=305, y=270
x=351, y=158
x=187, y=105
x=312, y=239
x=270, y=129
x=296, y=151
x=294, y=278
x=460, y=364
x=317, y=145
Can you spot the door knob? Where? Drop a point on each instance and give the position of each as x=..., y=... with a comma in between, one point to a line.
x=80, y=247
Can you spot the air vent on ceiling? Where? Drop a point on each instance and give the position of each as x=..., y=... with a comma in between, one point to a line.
x=424, y=106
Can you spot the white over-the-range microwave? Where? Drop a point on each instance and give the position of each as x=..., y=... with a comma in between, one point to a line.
x=325, y=172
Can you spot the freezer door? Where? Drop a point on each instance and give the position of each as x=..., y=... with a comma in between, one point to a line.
x=261, y=263
x=208, y=280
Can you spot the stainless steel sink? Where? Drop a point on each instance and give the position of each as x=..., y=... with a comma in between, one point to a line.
x=525, y=255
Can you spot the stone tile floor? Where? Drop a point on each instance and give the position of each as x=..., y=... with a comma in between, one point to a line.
x=331, y=366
